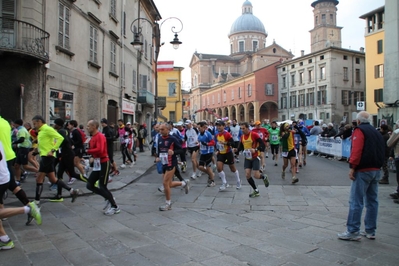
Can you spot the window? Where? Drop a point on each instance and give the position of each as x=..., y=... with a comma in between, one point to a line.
x=283, y=69
x=310, y=74
x=322, y=72
x=63, y=26
x=310, y=98
x=283, y=118
x=300, y=63
x=231, y=48
x=134, y=78
x=316, y=20
x=310, y=61
x=378, y=95
x=283, y=101
x=241, y=46
x=322, y=57
x=310, y=116
x=357, y=75
x=357, y=60
x=293, y=102
x=249, y=93
x=143, y=82
x=284, y=85
x=124, y=24
x=171, y=88
x=301, y=79
x=345, y=57
x=346, y=76
x=322, y=115
x=323, y=18
x=302, y=99
x=380, y=49
x=346, y=98
x=269, y=89
x=379, y=71
x=292, y=66
x=113, y=9
x=145, y=48
x=113, y=57
x=293, y=80
x=322, y=96
x=172, y=115
x=239, y=92
x=232, y=95
x=254, y=46
x=327, y=115
x=93, y=44
x=331, y=19
x=359, y=96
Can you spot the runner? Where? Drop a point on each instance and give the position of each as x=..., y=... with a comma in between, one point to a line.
x=168, y=148
x=207, y=144
x=224, y=142
x=288, y=150
x=251, y=145
x=191, y=138
x=236, y=133
x=274, y=137
x=264, y=135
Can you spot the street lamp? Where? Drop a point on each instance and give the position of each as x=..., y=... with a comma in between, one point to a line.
x=156, y=35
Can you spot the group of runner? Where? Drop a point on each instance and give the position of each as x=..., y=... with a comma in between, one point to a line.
x=215, y=144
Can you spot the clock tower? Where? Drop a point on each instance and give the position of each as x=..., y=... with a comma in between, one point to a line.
x=325, y=33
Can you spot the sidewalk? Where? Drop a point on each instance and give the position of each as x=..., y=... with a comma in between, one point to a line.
x=126, y=177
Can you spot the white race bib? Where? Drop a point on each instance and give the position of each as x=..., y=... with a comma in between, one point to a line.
x=247, y=154
x=190, y=139
x=220, y=146
x=164, y=158
x=203, y=147
x=274, y=138
x=97, y=164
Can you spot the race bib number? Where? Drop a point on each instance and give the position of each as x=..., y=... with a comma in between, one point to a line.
x=220, y=147
x=203, y=147
x=191, y=139
x=96, y=164
x=164, y=158
x=274, y=138
x=261, y=136
x=284, y=154
x=247, y=154
x=235, y=134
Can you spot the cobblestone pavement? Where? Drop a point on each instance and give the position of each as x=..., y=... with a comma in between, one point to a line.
x=286, y=225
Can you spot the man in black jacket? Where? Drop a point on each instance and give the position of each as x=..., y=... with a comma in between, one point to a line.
x=110, y=137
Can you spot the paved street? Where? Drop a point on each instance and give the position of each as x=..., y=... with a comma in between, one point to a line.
x=286, y=225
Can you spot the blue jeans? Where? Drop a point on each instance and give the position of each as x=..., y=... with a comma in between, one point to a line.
x=364, y=189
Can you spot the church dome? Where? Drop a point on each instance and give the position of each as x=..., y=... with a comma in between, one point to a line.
x=247, y=21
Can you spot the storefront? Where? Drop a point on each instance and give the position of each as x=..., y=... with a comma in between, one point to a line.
x=128, y=109
x=60, y=106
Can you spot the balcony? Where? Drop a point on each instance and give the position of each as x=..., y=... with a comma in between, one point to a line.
x=24, y=38
x=162, y=102
x=145, y=97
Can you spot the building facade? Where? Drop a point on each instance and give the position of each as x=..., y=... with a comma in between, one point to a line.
x=74, y=60
x=374, y=42
x=242, y=85
x=328, y=83
x=169, y=88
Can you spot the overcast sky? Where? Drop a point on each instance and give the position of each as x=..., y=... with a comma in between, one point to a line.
x=206, y=24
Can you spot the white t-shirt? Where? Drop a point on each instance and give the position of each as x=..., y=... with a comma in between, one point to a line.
x=4, y=173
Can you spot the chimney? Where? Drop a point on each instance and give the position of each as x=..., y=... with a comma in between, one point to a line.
x=362, y=49
x=302, y=52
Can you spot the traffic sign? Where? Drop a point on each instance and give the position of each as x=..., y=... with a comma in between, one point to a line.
x=360, y=106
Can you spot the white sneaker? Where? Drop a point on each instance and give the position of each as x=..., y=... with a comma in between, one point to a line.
x=123, y=166
x=199, y=173
x=238, y=184
x=134, y=162
x=71, y=181
x=193, y=176
x=224, y=186
x=112, y=211
x=161, y=189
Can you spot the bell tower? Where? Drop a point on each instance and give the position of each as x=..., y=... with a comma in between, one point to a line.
x=325, y=33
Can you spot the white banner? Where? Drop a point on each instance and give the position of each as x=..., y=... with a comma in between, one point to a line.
x=329, y=146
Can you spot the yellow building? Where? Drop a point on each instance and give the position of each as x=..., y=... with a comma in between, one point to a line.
x=374, y=41
x=169, y=88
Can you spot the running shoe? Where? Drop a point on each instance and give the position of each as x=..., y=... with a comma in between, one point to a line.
x=71, y=181
x=349, y=236
x=6, y=245
x=294, y=180
x=161, y=189
x=187, y=186
x=57, y=198
x=53, y=187
x=123, y=166
x=211, y=183
x=265, y=180
x=17, y=183
x=368, y=235
x=183, y=167
x=275, y=164
x=237, y=160
x=116, y=172
x=300, y=166
x=30, y=219
x=283, y=175
x=74, y=194
x=165, y=207
x=35, y=212
x=254, y=194
x=112, y=211
x=274, y=157
x=107, y=204
x=223, y=187
x=193, y=176
x=394, y=195
x=238, y=184
x=267, y=155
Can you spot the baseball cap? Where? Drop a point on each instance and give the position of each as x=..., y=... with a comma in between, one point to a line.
x=128, y=123
x=180, y=123
x=257, y=123
x=324, y=125
x=104, y=120
x=188, y=122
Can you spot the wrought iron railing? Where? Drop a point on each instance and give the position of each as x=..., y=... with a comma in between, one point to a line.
x=22, y=37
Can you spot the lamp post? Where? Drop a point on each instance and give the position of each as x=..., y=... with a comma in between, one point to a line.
x=156, y=35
